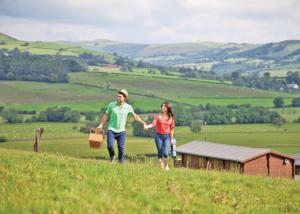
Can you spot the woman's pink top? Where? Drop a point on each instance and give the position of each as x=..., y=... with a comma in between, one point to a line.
x=163, y=126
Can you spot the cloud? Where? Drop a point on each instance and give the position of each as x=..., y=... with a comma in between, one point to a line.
x=32, y=30
x=153, y=21
x=263, y=6
x=79, y=11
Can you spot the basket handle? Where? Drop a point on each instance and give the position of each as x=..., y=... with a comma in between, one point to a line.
x=97, y=130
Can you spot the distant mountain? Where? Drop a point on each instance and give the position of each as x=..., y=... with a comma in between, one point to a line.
x=208, y=56
x=277, y=58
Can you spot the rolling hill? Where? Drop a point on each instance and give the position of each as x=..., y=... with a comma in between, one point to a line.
x=284, y=55
x=46, y=48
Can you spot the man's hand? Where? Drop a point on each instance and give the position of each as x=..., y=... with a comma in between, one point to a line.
x=99, y=127
x=145, y=127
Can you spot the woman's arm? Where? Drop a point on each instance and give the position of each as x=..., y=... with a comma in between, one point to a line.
x=153, y=124
x=172, y=136
x=172, y=130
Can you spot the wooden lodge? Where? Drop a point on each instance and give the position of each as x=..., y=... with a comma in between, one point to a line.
x=246, y=160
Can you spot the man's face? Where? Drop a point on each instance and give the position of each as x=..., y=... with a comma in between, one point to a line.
x=120, y=98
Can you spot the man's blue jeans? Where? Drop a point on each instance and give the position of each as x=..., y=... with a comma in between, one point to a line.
x=162, y=142
x=120, y=137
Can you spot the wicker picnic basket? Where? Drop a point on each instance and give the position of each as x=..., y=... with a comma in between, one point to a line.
x=96, y=138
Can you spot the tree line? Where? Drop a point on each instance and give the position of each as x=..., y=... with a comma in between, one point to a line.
x=51, y=114
x=17, y=65
x=267, y=82
x=196, y=116
x=279, y=102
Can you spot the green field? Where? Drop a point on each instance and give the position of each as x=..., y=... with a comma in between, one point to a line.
x=39, y=96
x=64, y=138
x=290, y=113
x=88, y=91
x=144, y=72
x=43, y=183
x=176, y=88
x=187, y=91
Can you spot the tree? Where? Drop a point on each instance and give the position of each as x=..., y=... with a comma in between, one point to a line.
x=12, y=116
x=138, y=129
x=71, y=116
x=3, y=139
x=141, y=64
x=88, y=125
x=183, y=115
x=293, y=77
x=296, y=102
x=235, y=75
x=278, y=102
x=267, y=75
x=55, y=114
x=90, y=115
x=196, y=126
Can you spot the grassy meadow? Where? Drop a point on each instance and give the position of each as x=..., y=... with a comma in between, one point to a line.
x=65, y=139
x=44, y=183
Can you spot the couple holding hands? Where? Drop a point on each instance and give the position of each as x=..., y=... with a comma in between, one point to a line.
x=116, y=115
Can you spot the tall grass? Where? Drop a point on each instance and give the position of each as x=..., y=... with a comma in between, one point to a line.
x=42, y=183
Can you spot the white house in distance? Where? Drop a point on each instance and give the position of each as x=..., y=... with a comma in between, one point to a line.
x=293, y=86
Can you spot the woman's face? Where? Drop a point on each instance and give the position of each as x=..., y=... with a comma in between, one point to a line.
x=164, y=108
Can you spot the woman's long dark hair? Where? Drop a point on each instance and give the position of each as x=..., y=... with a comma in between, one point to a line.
x=169, y=108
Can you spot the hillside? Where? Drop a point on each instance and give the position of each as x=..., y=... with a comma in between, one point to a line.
x=271, y=57
x=43, y=183
x=46, y=48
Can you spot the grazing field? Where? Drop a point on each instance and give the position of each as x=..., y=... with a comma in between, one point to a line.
x=94, y=90
x=179, y=90
x=43, y=183
x=38, y=96
x=176, y=88
x=290, y=113
x=64, y=138
x=224, y=101
x=144, y=72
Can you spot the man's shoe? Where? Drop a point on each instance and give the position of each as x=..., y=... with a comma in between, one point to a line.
x=112, y=159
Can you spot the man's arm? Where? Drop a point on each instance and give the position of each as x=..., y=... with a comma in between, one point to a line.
x=139, y=119
x=103, y=121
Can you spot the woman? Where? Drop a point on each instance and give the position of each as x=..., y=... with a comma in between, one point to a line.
x=164, y=122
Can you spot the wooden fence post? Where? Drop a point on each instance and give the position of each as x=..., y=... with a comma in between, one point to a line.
x=38, y=139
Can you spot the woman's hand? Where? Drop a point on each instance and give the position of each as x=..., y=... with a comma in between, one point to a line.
x=172, y=141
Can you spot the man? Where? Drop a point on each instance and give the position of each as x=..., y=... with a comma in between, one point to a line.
x=116, y=113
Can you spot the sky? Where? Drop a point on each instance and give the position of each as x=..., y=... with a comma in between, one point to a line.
x=152, y=21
